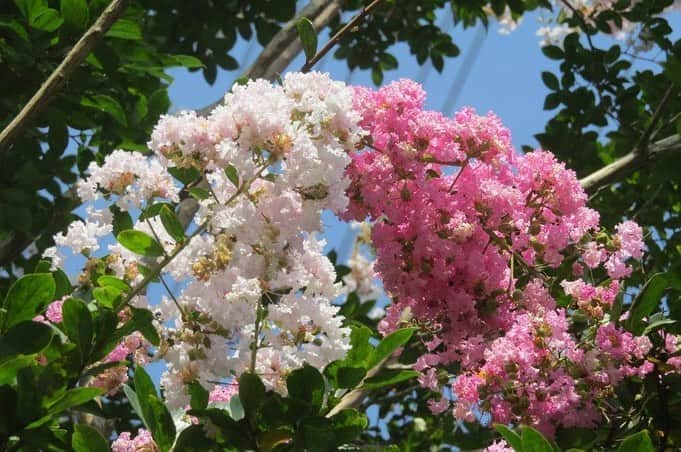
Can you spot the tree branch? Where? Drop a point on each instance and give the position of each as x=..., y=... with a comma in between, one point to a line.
x=335, y=38
x=628, y=164
x=73, y=59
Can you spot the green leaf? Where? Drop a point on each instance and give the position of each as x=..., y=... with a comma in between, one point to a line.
x=47, y=20
x=360, y=348
x=306, y=384
x=308, y=37
x=131, y=395
x=389, y=344
x=107, y=296
x=646, y=301
x=75, y=13
x=78, y=325
x=162, y=426
x=193, y=439
x=552, y=101
x=389, y=378
x=553, y=52
x=25, y=338
x=125, y=29
x=106, y=104
x=511, y=437
x=144, y=386
x=172, y=224
x=377, y=75
x=121, y=219
x=348, y=424
x=185, y=175
x=27, y=297
x=73, y=398
x=533, y=441
x=350, y=376
x=251, y=394
x=140, y=243
x=199, y=193
x=550, y=80
x=88, y=439
x=656, y=325
x=187, y=61
x=112, y=281
x=232, y=175
x=638, y=442
x=153, y=412
x=199, y=396
x=10, y=368
x=30, y=8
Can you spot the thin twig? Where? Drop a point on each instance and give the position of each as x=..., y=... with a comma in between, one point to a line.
x=335, y=38
x=73, y=59
x=582, y=20
x=642, y=144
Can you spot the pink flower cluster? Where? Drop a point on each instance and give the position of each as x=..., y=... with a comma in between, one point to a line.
x=113, y=378
x=142, y=442
x=467, y=234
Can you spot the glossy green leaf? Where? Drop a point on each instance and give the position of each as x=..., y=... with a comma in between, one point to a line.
x=638, y=442
x=77, y=322
x=389, y=378
x=172, y=224
x=646, y=302
x=308, y=37
x=232, y=175
x=306, y=384
x=511, y=437
x=390, y=344
x=27, y=297
x=106, y=104
x=140, y=243
x=73, y=398
x=88, y=439
x=199, y=396
x=251, y=394
x=533, y=441
x=25, y=338
x=125, y=29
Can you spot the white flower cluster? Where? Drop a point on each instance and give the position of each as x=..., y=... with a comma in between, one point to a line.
x=257, y=288
x=553, y=28
x=132, y=176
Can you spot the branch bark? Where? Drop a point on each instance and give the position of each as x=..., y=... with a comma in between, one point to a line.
x=335, y=38
x=73, y=59
x=630, y=163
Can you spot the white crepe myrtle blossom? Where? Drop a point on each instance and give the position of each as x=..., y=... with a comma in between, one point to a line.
x=257, y=289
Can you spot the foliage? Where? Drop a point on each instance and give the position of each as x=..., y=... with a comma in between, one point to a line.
x=65, y=348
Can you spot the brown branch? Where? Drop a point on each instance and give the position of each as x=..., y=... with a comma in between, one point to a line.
x=335, y=38
x=628, y=164
x=73, y=59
